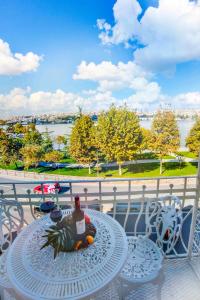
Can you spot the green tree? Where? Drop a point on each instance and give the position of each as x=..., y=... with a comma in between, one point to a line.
x=61, y=140
x=165, y=137
x=32, y=155
x=9, y=148
x=32, y=136
x=193, y=139
x=15, y=146
x=81, y=146
x=18, y=128
x=47, y=143
x=4, y=147
x=53, y=156
x=146, y=136
x=10, y=128
x=118, y=134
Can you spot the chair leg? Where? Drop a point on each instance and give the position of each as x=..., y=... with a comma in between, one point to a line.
x=1, y=293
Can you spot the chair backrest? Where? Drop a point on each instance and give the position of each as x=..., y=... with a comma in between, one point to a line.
x=11, y=222
x=169, y=221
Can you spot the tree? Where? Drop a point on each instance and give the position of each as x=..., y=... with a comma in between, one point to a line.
x=32, y=136
x=61, y=140
x=15, y=146
x=165, y=137
x=10, y=128
x=9, y=148
x=146, y=135
x=47, y=143
x=193, y=139
x=32, y=154
x=118, y=134
x=53, y=156
x=81, y=146
x=2, y=122
x=18, y=128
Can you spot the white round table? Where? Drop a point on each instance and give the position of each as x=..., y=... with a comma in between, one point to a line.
x=34, y=273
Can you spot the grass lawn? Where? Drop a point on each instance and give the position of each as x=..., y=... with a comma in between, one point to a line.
x=19, y=166
x=139, y=170
x=68, y=160
x=151, y=155
x=187, y=154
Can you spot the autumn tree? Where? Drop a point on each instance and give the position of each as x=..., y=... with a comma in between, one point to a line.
x=118, y=134
x=32, y=136
x=146, y=136
x=53, y=156
x=61, y=140
x=18, y=128
x=165, y=137
x=193, y=139
x=32, y=155
x=47, y=142
x=81, y=146
x=9, y=148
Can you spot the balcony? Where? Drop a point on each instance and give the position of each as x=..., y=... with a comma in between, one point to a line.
x=125, y=200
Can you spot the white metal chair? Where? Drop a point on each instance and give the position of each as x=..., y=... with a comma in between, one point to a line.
x=164, y=219
x=11, y=222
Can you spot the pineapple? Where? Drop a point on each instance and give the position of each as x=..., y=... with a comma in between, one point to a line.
x=62, y=236
x=61, y=239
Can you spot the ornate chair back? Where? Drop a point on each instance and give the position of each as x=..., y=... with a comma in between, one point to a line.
x=168, y=223
x=11, y=222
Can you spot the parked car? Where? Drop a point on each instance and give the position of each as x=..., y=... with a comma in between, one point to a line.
x=49, y=188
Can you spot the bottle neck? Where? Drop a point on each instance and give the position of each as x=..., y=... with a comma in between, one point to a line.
x=77, y=204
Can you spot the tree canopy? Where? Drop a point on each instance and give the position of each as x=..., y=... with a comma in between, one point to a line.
x=193, y=139
x=9, y=148
x=165, y=137
x=81, y=146
x=118, y=134
x=61, y=140
x=32, y=155
x=53, y=156
x=47, y=142
x=32, y=136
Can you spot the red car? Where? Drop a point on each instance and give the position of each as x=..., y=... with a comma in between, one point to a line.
x=48, y=188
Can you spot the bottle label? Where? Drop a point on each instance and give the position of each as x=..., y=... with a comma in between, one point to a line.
x=80, y=226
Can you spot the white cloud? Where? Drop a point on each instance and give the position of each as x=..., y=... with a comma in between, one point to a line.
x=189, y=100
x=122, y=76
x=126, y=23
x=113, y=77
x=147, y=98
x=170, y=32
x=16, y=63
x=22, y=101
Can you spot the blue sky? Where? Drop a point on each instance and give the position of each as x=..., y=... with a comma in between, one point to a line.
x=63, y=34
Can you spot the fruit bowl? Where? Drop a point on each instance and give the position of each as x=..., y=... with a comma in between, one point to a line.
x=63, y=238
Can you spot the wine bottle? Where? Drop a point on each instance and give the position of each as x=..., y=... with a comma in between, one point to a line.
x=79, y=219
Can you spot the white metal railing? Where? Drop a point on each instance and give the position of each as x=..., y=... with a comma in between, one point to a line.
x=123, y=199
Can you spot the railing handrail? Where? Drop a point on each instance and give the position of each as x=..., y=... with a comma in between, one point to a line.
x=108, y=197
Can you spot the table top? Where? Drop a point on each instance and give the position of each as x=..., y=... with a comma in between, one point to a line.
x=34, y=273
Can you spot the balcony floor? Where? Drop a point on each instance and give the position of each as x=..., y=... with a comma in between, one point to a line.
x=178, y=280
